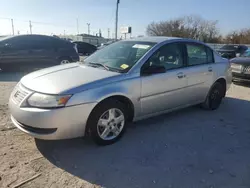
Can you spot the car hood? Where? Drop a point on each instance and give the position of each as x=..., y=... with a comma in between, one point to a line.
x=241, y=60
x=58, y=79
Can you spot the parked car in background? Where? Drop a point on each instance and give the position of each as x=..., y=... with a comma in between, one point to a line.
x=230, y=51
x=85, y=48
x=28, y=52
x=106, y=44
x=241, y=67
x=125, y=81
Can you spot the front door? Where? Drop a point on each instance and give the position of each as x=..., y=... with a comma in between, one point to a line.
x=167, y=90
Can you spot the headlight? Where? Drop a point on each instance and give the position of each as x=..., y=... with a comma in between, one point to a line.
x=48, y=101
x=235, y=66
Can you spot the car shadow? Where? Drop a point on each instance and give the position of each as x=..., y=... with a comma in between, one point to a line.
x=11, y=76
x=191, y=147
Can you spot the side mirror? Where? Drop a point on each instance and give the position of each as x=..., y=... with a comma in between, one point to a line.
x=153, y=69
x=238, y=55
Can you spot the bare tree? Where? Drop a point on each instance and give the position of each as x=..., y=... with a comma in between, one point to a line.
x=192, y=26
x=238, y=37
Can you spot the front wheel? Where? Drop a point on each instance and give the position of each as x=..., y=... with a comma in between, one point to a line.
x=214, y=97
x=107, y=122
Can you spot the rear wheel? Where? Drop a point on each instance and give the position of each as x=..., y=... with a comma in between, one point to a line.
x=64, y=60
x=107, y=122
x=214, y=97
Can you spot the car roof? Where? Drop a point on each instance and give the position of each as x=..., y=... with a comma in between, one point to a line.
x=160, y=39
x=37, y=35
x=156, y=39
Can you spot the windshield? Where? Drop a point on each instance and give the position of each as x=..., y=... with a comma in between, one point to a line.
x=230, y=47
x=246, y=54
x=120, y=56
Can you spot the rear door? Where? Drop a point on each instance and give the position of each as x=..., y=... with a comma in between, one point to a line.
x=42, y=52
x=200, y=67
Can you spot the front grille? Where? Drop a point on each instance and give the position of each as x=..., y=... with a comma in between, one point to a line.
x=246, y=69
x=19, y=94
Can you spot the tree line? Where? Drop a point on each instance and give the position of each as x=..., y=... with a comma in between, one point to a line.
x=196, y=27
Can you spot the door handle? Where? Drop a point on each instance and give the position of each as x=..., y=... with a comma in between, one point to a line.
x=210, y=69
x=180, y=75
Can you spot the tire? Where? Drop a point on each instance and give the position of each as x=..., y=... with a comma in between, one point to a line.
x=115, y=128
x=214, y=97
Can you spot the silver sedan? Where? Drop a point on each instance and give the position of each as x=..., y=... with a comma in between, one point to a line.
x=123, y=82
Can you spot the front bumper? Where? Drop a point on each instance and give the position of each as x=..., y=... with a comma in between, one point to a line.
x=241, y=77
x=51, y=124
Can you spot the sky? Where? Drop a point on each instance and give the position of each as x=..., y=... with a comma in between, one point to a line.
x=59, y=17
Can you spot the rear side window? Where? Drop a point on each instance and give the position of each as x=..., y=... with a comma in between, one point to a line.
x=199, y=54
x=210, y=55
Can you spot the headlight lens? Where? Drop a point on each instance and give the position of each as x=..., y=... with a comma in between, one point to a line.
x=48, y=101
x=235, y=66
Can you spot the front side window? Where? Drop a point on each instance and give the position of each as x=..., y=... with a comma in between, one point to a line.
x=197, y=54
x=120, y=56
x=170, y=56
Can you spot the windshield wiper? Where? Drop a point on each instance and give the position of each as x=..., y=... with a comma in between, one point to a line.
x=99, y=64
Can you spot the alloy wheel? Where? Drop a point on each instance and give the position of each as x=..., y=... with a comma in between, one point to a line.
x=64, y=62
x=110, y=124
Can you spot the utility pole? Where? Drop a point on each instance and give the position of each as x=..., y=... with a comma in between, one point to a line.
x=12, y=24
x=108, y=32
x=116, y=18
x=88, y=28
x=30, y=27
x=64, y=33
x=77, y=26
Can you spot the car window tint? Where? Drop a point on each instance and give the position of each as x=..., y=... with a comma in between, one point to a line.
x=170, y=56
x=30, y=42
x=196, y=54
x=210, y=55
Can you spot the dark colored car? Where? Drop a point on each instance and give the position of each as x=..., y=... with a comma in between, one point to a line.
x=85, y=48
x=241, y=67
x=29, y=52
x=230, y=51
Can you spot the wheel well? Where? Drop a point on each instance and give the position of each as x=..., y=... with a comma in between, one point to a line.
x=124, y=100
x=64, y=58
x=222, y=81
x=127, y=103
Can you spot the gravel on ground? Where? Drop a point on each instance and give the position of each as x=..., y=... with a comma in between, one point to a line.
x=190, y=148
